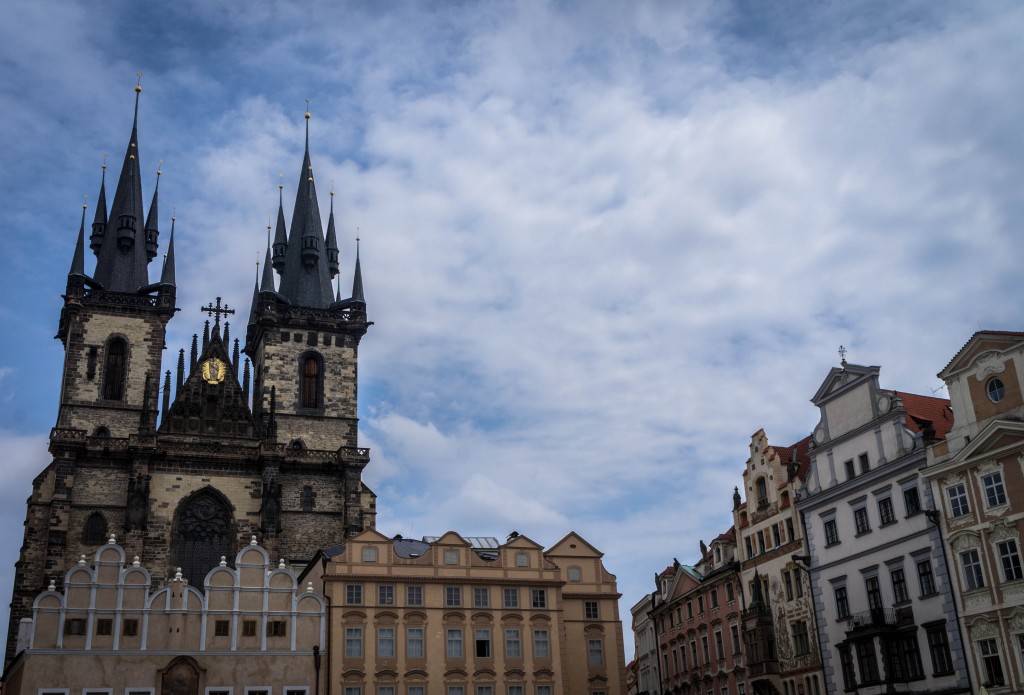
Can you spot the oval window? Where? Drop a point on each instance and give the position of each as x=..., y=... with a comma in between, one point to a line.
x=996, y=389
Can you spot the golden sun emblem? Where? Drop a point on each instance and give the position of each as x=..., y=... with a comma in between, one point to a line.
x=214, y=370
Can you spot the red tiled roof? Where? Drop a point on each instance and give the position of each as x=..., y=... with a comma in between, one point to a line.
x=924, y=409
x=802, y=457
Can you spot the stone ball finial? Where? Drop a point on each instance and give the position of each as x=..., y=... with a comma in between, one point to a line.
x=253, y=541
x=53, y=585
x=177, y=575
x=81, y=560
x=135, y=561
x=112, y=540
x=309, y=588
x=223, y=561
x=281, y=565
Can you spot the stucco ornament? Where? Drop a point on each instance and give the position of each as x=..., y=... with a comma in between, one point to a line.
x=987, y=364
x=1001, y=530
x=964, y=541
x=982, y=628
x=1016, y=620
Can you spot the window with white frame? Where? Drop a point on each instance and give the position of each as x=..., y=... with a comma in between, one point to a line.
x=452, y=596
x=590, y=610
x=538, y=598
x=414, y=643
x=482, y=641
x=353, y=594
x=925, y=578
x=385, y=642
x=995, y=492
x=970, y=561
x=595, y=652
x=957, y=496
x=992, y=665
x=454, y=641
x=352, y=690
x=860, y=520
x=451, y=557
x=485, y=690
x=481, y=597
x=995, y=389
x=353, y=642
x=541, y=644
x=515, y=690
x=886, y=513
x=575, y=574
x=386, y=595
x=370, y=553
x=414, y=595
x=513, y=643
x=899, y=585
x=522, y=560
x=842, y=603
x=1009, y=559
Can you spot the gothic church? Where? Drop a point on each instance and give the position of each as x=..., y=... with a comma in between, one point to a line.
x=183, y=481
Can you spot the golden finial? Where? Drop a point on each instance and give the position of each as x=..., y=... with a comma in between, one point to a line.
x=138, y=83
x=280, y=182
x=158, y=166
x=105, y=154
x=307, y=109
x=174, y=212
x=332, y=188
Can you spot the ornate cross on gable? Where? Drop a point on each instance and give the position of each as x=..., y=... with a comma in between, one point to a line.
x=216, y=311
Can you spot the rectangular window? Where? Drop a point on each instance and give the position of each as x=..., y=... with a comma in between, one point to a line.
x=831, y=532
x=104, y=626
x=354, y=594
x=926, y=578
x=789, y=530
x=801, y=639
x=776, y=535
x=787, y=581
x=451, y=557
x=456, y=690
x=485, y=690
x=386, y=595
x=842, y=603
x=863, y=461
x=349, y=690
x=957, y=495
x=369, y=554
x=453, y=596
x=719, y=645
x=222, y=628
x=899, y=586
x=1009, y=558
x=513, y=644
x=543, y=690
x=414, y=595
x=522, y=560
x=248, y=628
x=414, y=645
x=541, y=646
x=595, y=652
x=454, y=641
x=704, y=649
x=277, y=628
x=846, y=661
x=860, y=520
x=971, y=562
x=385, y=690
x=700, y=605
x=353, y=642
x=515, y=690
x=538, y=598
x=481, y=597
x=991, y=662
x=867, y=661
x=995, y=493
x=750, y=548
x=483, y=643
x=729, y=593
x=130, y=628
x=385, y=642
x=938, y=647
x=911, y=501
x=874, y=593
x=590, y=611
x=851, y=472
x=912, y=657
x=510, y=598
x=886, y=513
x=416, y=690
x=760, y=542
x=714, y=598
x=689, y=610
x=74, y=626
x=735, y=632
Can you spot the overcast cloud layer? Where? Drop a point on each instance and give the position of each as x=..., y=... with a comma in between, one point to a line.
x=602, y=243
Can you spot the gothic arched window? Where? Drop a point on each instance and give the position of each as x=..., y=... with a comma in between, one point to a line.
x=203, y=532
x=114, y=369
x=95, y=529
x=310, y=381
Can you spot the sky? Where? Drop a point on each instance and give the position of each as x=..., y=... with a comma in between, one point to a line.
x=603, y=243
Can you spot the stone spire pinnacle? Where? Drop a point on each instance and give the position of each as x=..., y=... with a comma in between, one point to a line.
x=152, y=232
x=78, y=260
x=281, y=237
x=357, y=281
x=99, y=222
x=332, y=240
x=167, y=276
x=122, y=261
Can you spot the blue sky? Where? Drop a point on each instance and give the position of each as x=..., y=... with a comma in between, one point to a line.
x=603, y=243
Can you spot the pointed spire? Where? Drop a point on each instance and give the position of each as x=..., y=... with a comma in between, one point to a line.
x=152, y=232
x=78, y=260
x=255, y=301
x=234, y=357
x=99, y=222
x=167, y=393
x=332, y=240
x=195, y=354
x=227, y=333
x=357, y=281
x=121, y=264
x=181, y=371
x=268, y=275
x=281, y=236
x=167, y=276
x=245, y=381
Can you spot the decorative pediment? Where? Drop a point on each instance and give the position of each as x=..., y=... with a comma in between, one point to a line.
x=211, y=401
x=979, y=351
x=840, y=379
x=983, y=628
x=1003, y=530
x=964, y=540
x=989, y=363
x=998, y=436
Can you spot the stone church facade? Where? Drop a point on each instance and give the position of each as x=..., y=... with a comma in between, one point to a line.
x=257, y=439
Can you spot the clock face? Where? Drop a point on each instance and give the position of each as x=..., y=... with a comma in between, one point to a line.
x=214, y=370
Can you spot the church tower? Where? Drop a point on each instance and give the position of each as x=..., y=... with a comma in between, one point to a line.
x=185, y=482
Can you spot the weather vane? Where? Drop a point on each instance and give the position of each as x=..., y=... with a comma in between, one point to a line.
x=842, y=353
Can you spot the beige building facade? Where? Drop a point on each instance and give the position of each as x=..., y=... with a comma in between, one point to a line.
x=458, y=616
x=977, y=475
x=110, y=629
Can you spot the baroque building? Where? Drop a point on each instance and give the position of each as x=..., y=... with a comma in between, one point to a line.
x=977, y=474
x=778, y=622
x=187, y=480
x=470, y=616
x=883, y=599
x=645, y=643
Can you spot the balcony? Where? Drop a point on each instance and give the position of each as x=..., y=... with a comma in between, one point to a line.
x=880, y=620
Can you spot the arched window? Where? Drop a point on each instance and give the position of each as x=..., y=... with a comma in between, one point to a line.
x=307, y=498
x=762, y=493
x=95, y=529
x=203, y=532
x=114, y=369
x=309, y=382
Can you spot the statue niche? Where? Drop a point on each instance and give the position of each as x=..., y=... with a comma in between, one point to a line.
x=203, y=532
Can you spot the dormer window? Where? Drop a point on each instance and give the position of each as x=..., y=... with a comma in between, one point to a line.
x=995, y=389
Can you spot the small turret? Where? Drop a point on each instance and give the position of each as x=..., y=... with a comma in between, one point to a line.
x=332, y=240
x=152, y=232
x=281, y=235
x=99, y=222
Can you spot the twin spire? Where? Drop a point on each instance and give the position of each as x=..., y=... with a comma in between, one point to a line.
x=123, y=243
x=306, y=258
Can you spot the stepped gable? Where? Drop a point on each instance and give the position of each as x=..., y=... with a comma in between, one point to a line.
x=211, y=401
